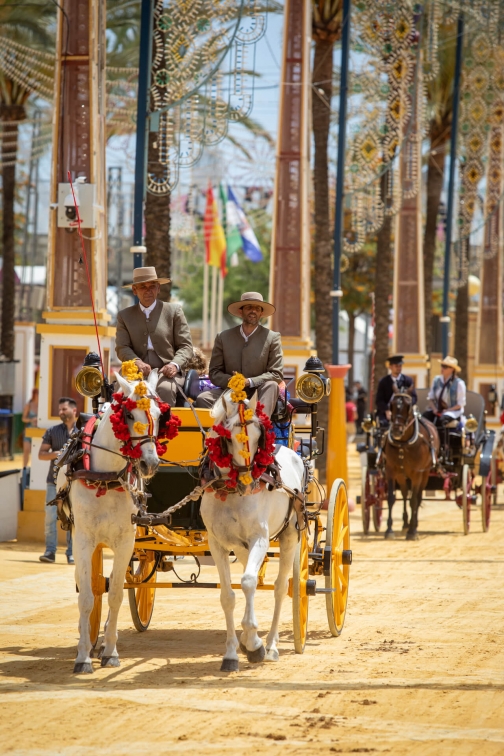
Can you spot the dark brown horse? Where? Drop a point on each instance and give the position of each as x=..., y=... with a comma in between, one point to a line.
x=410, y=448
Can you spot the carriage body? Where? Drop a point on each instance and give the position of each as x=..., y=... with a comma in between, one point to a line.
x=323, y=551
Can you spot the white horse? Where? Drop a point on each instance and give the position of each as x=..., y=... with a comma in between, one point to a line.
x=107, y=520
x=245, y=524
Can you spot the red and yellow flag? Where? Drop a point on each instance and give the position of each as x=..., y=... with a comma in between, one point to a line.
x=215, y=238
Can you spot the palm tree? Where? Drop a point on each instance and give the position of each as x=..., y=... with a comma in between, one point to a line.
x=34, y=29
x=440, y=102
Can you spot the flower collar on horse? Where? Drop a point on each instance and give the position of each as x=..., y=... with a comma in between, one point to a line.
x=242, y=476
x=168, y=423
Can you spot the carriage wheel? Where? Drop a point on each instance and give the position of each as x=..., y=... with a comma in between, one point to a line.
x=488, y=496
x=300, y=577
x=97, y=582
x=337, y=557
x=466, y=497
x=364, y=500
x=380, y=496
x=141, y=599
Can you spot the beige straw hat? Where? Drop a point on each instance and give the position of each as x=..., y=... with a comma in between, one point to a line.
x=145, y=275
x=251, y=298
x=450, y=362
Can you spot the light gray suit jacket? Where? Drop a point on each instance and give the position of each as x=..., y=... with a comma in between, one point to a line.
x=260, y=358
x=167, y=328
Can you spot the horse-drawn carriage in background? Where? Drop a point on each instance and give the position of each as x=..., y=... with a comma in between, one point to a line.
x=465, y=453
x=170, y=528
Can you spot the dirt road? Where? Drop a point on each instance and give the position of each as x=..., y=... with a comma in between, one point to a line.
x=419, y=668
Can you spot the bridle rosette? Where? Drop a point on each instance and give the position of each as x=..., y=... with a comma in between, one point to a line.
x=168, y=423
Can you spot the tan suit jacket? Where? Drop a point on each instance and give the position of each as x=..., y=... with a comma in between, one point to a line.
x=260, y=358
x=167, y=328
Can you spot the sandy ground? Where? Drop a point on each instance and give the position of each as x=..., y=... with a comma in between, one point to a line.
x=419, y=668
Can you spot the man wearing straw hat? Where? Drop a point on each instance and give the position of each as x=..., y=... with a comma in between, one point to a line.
x=155, y=334
x=249, y=349
x=447, y=396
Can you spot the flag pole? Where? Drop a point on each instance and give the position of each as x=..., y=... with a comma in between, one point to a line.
x=213, y=307
x=205, y=305
x=220, y=303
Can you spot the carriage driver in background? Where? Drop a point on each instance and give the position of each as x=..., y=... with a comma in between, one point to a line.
x=385, y=390
x=249, y=349
x=155, y=334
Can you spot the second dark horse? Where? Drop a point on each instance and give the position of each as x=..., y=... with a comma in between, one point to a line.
x=410, y=449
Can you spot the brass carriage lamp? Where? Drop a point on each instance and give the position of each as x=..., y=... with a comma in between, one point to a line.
x=90, y=382
x=471, y=424
x=311, y=387
x=492, y=397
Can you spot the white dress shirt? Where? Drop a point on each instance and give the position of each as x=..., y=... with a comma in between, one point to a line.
x=251, y=382
x=147, y=311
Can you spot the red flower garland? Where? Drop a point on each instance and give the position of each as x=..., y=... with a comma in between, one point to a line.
x=167, y=431
x=262, y=458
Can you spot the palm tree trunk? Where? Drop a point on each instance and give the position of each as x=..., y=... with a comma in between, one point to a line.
x=383, y=292
x=435, y=175
x=9, y=151
x=321, y=116
x=351, y=347
x=157, y=224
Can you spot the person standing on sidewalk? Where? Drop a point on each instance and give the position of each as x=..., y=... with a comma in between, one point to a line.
x=53, y=440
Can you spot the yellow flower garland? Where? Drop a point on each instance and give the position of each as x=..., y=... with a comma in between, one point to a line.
x=141, y=389
x=130, y=371
x=139, y=427
x=237, y=384
x=143, y=404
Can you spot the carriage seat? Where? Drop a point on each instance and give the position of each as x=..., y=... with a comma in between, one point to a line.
x=82, y=419
x=191, y=388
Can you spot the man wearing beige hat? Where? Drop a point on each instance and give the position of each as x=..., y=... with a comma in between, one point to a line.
x=155, y=334
x=447, y=396
x=249, y=349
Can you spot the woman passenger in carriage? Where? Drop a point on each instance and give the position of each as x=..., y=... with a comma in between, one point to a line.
x=447, y=396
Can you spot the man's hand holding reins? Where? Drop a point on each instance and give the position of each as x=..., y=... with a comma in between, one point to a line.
x=169, y=370
x=144, y=368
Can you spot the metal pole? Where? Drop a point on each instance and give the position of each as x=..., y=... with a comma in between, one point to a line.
x=340, y=177
x=445, y=319
x=141, y=132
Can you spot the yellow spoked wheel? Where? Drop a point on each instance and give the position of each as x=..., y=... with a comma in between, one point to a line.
x=299, y=582
x=98, y=584
x=337, y=557
x=142, y=572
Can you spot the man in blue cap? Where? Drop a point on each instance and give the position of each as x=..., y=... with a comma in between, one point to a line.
x=385, y=390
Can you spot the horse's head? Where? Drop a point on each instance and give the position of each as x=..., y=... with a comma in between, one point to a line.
x=240, y=420
x=141, y=415
x=401, y=409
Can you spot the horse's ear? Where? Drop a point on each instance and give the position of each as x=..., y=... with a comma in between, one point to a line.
x=152, y=380
x=252, y=402
x=410, y=390
x=395, y=389
x=123, y=384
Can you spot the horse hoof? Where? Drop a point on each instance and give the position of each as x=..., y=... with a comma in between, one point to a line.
x=272, y=655
x=97, y=653
x=256, y=656
x=83, y=668
x=389, y=535
x=229, y=665
x=412, y=536
x=110, y=661
x=243, y=649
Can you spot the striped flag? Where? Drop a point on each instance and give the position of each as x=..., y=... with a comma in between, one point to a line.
x=215, y=239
